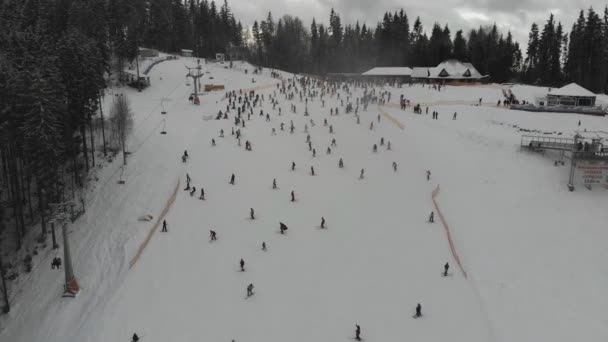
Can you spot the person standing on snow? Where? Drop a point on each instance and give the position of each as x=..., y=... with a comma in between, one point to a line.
x=357, y=332
x=249, y=290
x=446, y=267
x=418, y=310
x=432, y=217
x=232, y=179
x=164, y=230
x=242, y=263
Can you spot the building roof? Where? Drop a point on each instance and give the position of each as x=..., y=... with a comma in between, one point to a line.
x=453, y=69
x=389, y=71
x=572, y=89
x=420, y=72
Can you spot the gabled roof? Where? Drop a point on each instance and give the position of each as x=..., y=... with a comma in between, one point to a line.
x=389, y=71
x=572, y=89
x=420, y=72
x=453, y=69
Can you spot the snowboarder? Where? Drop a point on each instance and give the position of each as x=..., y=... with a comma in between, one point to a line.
x=242, y=263
x=135, y=338
x=341, y=163
x=274, y=183
x=432, y=217
x=293, y=166
x=418, y=310
x=282, y=227
x=395, y=166
x=251, y=214
x=264, y=247
x=446, y=267
x=212, y=235
x=323, y=222
x=428, y=175
x=357, y=332
x=293, y=196
x=202, y=196
x=362, y=175
x=164, y=230
x=249, y=290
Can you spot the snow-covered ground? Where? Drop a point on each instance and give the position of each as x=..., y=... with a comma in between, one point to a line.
x=534, y=252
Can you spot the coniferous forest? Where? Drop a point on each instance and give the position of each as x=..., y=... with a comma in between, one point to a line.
x=56, y=57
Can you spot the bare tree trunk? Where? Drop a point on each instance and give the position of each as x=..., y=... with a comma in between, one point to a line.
x=103, y=131
x=7, y=306
x=92, y=141
x=41, y=193
x=83, y=131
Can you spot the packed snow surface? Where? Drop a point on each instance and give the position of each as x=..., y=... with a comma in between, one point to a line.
x=535, y=253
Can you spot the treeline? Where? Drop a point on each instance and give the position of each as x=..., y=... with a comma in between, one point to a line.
x=555, y=57
x=290, y=45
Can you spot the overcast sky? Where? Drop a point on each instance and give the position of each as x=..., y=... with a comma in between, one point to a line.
x=514, y=15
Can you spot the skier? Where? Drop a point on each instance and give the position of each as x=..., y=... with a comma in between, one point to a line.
x=312, y=171
x=381, y=141
x=212, y=235
x=378, y=118
x=232, y=179
x=249, y=290
x=328, y=150
x=375, y=148
x=264, y=247
x=432, y=217
x=274, y=183
x=331, y=129
x=212, y=142
x=202, y=196
x=428, y=175
x=164, y=230
x=309, y=146
x=282, y=227
x=251, y=214
x=395, y=166
x=323, y=222
x=362, y=174
x=341, y=163
x=293, y=196
x=242, y=263
x=293, y=166
x=454, y=116
x=446, y=267
x=314, y=152
x=187, y=178
x=333, y=142
x=418, y=310
x=371, y=126
x=135, y=338
x=388, y=146
x=192, y=191
x=357, y=332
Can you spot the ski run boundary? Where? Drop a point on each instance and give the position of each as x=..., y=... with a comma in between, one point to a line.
x=434, y=194
x=162, y=215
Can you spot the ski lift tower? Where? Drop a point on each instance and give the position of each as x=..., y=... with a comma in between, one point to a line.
x=71, y=287
x=195, y=73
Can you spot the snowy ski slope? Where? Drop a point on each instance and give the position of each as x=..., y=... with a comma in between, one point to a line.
x=534, y=253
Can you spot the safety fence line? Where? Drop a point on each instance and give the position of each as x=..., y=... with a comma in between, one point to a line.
x=434, y=194
x=162, y=215
x=391, y=118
